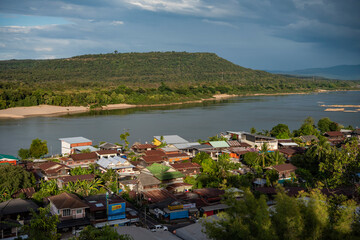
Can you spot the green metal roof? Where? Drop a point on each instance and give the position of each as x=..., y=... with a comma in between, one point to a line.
x=161, y=172
x=10, y=157
x=219, y=144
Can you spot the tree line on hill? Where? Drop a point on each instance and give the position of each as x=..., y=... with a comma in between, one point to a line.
x=138, y=78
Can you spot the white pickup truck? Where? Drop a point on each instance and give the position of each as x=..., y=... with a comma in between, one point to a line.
x=158, y=228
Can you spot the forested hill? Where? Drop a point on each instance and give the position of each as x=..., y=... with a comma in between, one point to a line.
x=154, y=77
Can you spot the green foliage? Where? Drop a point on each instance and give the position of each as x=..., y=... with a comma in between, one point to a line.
x=272, y=176
x=275, y=158
x=46, y=189
x=326, y=125
x=42, y=226
x=105, y=233
x=217, y=138
x=165, y=77
x=253, y=130
x=84, y=188
x=200, y=157
x=14, y=178
x=310, y=216
x=83, y=171
x=307, y=128
x=190, y=180
x=24, y=153
x=280, y=131
x=250, y=159
x=38, y=148
x=124, y=136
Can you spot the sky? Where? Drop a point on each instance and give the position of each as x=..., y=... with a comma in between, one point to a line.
x=259, y=34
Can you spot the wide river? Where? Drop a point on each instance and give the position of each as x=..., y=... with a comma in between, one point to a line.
x=190, y=121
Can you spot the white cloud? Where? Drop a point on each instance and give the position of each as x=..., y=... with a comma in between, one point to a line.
x=117, y=23
x=43, y=49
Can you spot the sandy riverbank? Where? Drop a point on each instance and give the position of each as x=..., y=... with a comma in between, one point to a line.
x=48, y=110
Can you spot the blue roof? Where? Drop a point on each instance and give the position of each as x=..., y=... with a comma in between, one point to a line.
x=75, y=140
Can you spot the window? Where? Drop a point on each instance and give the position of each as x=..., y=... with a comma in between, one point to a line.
x=66, y=212
x=78, y=211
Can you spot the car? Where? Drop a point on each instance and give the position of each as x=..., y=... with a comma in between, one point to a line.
x=157, y=228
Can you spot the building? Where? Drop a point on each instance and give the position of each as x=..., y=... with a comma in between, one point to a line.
x=8, y=159
x=188, y=169
x=335, y=137
x=285, y=170
x=80, y=160
x=309, y=139
x=109, y=146
x=119, y=164
x=51, y=170
x=166, y=174
x=15, y=213
x=146, y=181
x=169, y=140
x=140, y=148
x=70, y=209
x=63, y=181
x=257, y=141
x=68, y=145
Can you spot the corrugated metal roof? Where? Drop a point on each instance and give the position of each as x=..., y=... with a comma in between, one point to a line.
x=114, y=163
x=186, y=145
x=91, y=148
x=219, y=144
x=75, y=140
x=4, y=156
x=171, y=139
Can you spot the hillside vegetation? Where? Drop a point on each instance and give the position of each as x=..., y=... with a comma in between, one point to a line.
x=138, y=78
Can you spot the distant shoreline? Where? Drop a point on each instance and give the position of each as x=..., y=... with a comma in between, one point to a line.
x=50, y=110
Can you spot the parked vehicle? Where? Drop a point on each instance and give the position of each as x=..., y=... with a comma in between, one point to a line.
x=157, y=228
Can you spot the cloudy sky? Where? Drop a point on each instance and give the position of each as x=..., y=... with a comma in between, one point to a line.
x=259, y=34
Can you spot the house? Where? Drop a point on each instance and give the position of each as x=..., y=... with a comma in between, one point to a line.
x=179, y=187
x=177, y=157
x=13, y=214
x=70, y=209
x=291, y=151
x=219, y=144
x=168, y=139
x=285, y=170
x=210, y=196
x=106, y=210
x=256, y=141
x=68, y=144
x=107, y=153
x=146, y=182
x=287, y=143
x=140, y=148
x=119, y=164
x=130, y=184
x=80, y=160
x=154, y=156
x=109, y=146
x=8, y=159
x=63, y=181
x=165, y=174
x=309, y=139
x=335, y=137
x=51, y=170
x=158, y=196
x=188, y=169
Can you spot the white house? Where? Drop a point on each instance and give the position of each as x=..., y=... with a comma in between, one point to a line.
x=121, y=165
x=68, y=145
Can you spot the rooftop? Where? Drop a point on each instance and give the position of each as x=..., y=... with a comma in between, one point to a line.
x=67, y=200
x=75, y=178
x=188, y=165
x=114, y=163
x=83, y=156
x=72, y=140
x=171, y=139
x=8, y=157
x=17, y=205
x=219, y=144
x=162, y=172
x=284, y=167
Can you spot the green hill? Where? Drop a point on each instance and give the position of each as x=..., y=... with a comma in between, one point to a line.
x=155, y=77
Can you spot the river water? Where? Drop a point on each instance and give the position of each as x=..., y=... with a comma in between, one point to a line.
x=190, y=121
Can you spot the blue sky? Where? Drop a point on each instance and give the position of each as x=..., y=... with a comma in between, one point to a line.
x=259, y=34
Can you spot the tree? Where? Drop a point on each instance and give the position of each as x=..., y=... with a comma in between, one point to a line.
x=200, y=157
x=252, y=130
x=263, y=155
x=24, y=153
x=307, y=128
x=124, y=137
x=250, y=159
x=272, y=175
x=280, y=131
x=245, y=219
x=324, y=124
x=42, y=226
x=276, y=158
x=14, y=178
x=38, y=148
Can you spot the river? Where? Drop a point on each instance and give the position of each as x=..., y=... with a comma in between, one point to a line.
x=190, y=121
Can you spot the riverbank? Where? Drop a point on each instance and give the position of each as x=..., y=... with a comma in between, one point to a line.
x=49, y=110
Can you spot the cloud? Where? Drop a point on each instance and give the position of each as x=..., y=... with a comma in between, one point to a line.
x=117, y=23
x=219, y=23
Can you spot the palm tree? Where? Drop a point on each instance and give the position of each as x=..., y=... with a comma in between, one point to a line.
x=276, y=158
x=262, y=154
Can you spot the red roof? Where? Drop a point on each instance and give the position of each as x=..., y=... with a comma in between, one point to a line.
x=183, y=166
x=67, y=200
x=292, y=150
x=52, y=167
x=153, y=159
x=144, y=146
x=334, y=134
x=284, y=167
x=158, y=195
x=209, y=192
x=155, y=152
x=83, y=156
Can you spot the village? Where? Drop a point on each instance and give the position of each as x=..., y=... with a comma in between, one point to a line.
x=156, y=185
